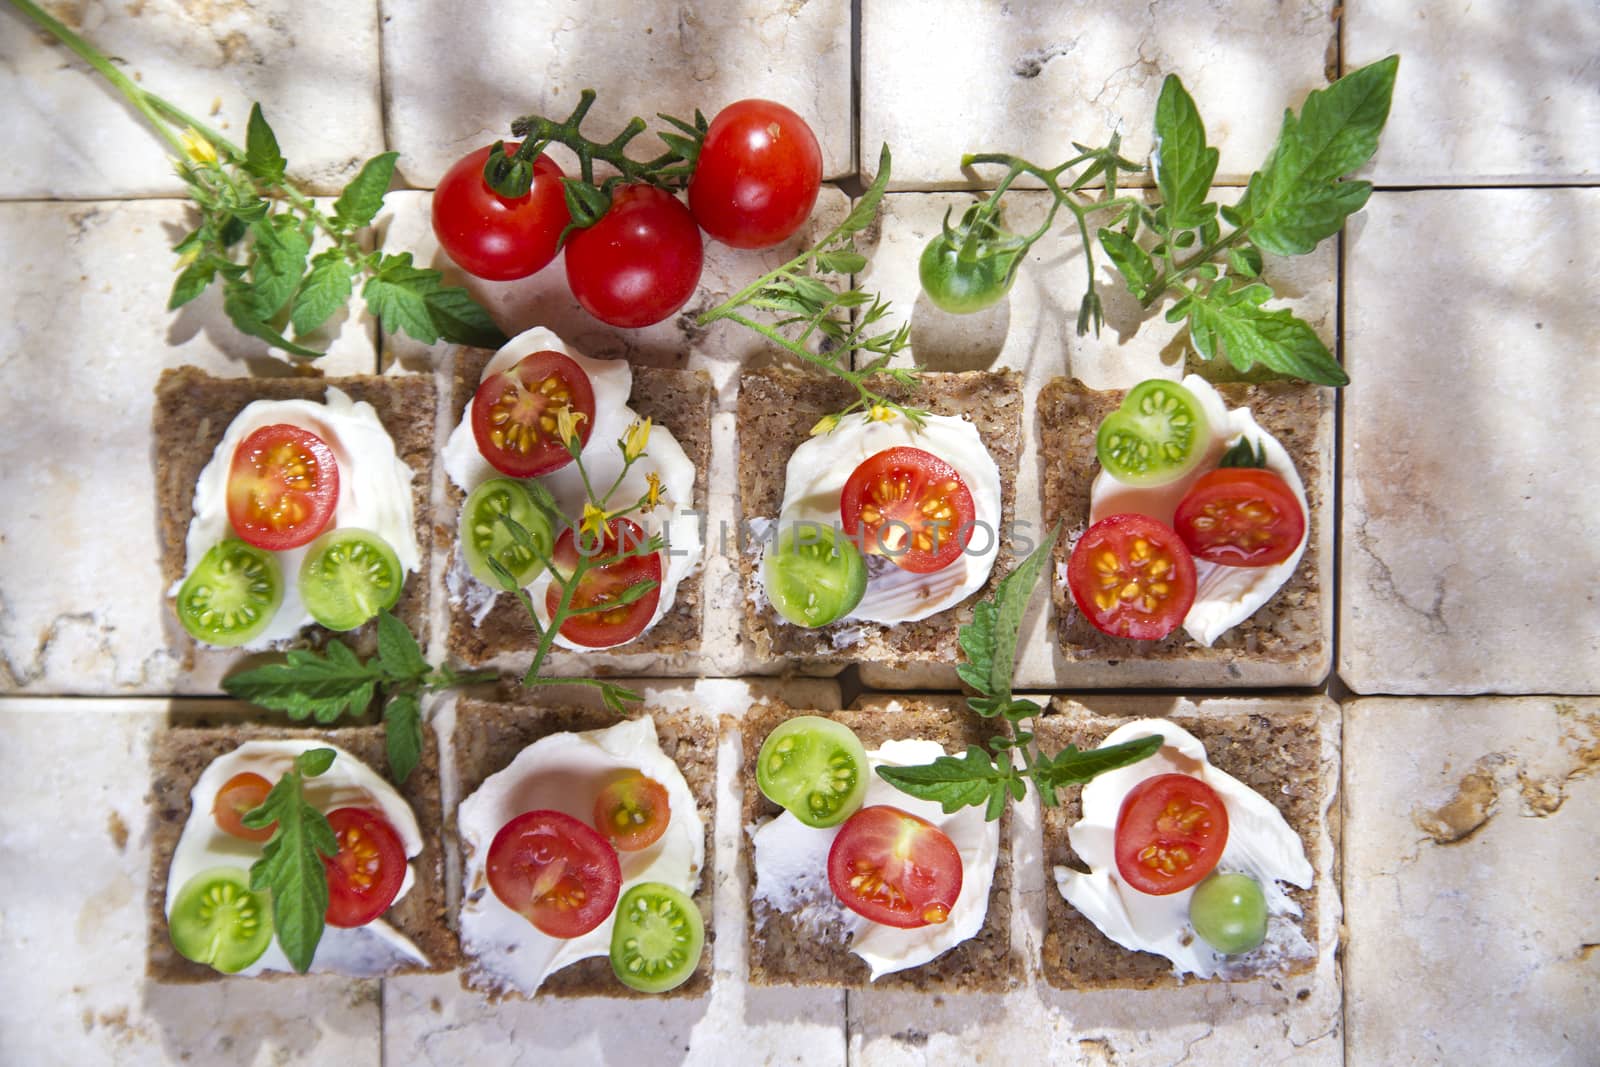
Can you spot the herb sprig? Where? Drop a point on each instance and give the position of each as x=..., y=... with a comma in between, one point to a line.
x=980, y=778
x=328, y=685
x=257, y=232
x=826, y=326
x=290, y=866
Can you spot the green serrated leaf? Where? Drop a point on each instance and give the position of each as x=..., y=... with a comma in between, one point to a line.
x=262, y=157
x=1131, y=261
x=280, y=252
x=362, y=199
x=240, y=304
x=866, y=208
x=1245, y=260
x=397, y=296
x=192, y=281
x=402, y=733
x=1251, y=334
x=1184, y=166
x=314, y=762
x=462, y=320
x=970, y=780
x=841, y=262
x=291, y=867
x=1244, y=453
x=990, y=639
x=324, y=291
x=398, y=652
x=307, y=684
x=1074, y=767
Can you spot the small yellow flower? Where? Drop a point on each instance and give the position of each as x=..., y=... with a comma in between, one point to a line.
x=652, y=495
x=594, y=522
x=635, y=441
x=196, y=147
x=826, y=424
x=567, y=425
x=882, y=413
x=189, y=256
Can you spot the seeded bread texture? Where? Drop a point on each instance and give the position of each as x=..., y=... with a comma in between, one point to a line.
x=181, y=754
x=782, y=953
x=1291, y=631
x=1276, y=750
x=192, y=413
x=489, y=735
x=679, y=400
x=777, y=409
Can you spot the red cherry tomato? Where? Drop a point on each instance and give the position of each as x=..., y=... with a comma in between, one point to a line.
x=1170, y=833
x=604, y=583
x=640, y=262
x=239, y=795
x=633, y=812
x=757, y=176
x=1132, y=577
x=515, y=414
x=555, y=872
x=283, y=487
x=1241, y=516
x=909, y=505
x=496, y=237
x=365, y=877
x=894, y=868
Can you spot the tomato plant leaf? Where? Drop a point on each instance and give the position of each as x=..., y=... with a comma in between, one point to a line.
x=462, y=320
x=402, y=733
x=239, y=301
x=1251, y=334
x=1131, y=261
x=362, y=199
x=1184, y=166
x=398, y=652
x=280, y=259
x=290, y=866
x=973, y=779
x=990, y=639
x=1072, y=766
x=325, y=290
x=192, y=281
x=865, y=208
x=397, y=296
x=324, y=686
x=262, y=156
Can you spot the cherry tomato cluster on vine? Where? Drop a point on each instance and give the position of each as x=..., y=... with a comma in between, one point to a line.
x=754, y=184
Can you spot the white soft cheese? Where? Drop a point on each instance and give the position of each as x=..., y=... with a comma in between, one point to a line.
x=612, y=380
x=566, y=772
x=791, y=871
x=814, y=482
x=1224, y=596
x=1260, y=844
x=369, y=951
x=374, y=491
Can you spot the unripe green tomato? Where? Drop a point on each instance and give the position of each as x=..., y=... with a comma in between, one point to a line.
x=962, y=286
x=1229, y=912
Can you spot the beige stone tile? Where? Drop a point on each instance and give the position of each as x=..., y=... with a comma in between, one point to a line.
x=74, y=863
x=1470, y=895
x=69, y=133
x=1031, y=77
x=448, y=91
x=1496, y=92
x=1469, y=498
x=81, y=601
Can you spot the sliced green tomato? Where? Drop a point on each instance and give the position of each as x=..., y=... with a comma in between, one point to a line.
x=482, y=536
x=658, y=937
x=1157, y=435
x=232, y=595
x=217, y=920
x=1229, y=912
x=812, y=575
x=348, y=576
x=814, y=768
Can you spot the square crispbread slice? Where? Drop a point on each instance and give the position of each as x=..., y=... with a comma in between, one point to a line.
x=1276, y=747
x=192, y=413
x=777, y=409
x=489, y=735
x=181, y=754
x=1288, y=641
x=679, y=400
x=783, y=953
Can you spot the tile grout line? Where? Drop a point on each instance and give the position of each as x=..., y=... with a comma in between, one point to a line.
x=1335, y=684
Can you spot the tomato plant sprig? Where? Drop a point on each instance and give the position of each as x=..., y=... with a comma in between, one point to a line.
x=290, y=866
x=257, y=231
x=845, y=322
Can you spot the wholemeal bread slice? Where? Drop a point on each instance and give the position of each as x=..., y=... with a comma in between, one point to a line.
x=1288, y=641
x=679, y=400
x=783, y=953
x=489, y=735
x=192, y=413
x=1279, y=748
x=777, y=409
x=179, y=756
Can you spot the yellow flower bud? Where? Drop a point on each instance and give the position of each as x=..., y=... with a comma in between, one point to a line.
x=567, y=424
x=636, y=440
x=652, y=495
x=196, y=147
x=826, y=424
x=882, y=413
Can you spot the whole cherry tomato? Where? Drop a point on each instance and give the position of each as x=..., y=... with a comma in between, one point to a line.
x=638, y=264
x=757, y=175
x=496, y=237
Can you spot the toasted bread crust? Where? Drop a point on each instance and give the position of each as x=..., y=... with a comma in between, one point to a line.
x=488, y=736
x=679, y=400
x=781, y=953
x=777, y=409
x=179, y=756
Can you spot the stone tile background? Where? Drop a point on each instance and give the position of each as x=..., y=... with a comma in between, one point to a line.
x=1467, y=530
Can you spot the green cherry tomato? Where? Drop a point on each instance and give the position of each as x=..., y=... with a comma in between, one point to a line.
x=657, y=939
x=348, y=576
x=963, y=281
x=217, y=920
x=232, y=595
x=1157, y=436
x=814, y=768
x=812, y=575
x=482, y=536
x=1229, y=912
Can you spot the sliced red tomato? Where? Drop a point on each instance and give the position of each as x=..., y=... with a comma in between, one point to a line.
x=555, y=872
x=241, y=794
x=283, y=487
x=1132, y=577
x=909, y=505
x=1170, y=833
x=1241, y=516
x=516, y=414
x=605, y=619
x=894, y=868
x=633, y=811
x=365, y=877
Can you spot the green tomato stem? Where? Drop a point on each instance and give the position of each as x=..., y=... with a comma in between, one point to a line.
x=539, y=132
x=1175, y=273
